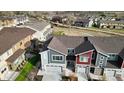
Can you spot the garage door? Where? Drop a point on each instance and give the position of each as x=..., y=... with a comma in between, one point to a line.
x=110, y=73
x=81, y=70
x=54, y=69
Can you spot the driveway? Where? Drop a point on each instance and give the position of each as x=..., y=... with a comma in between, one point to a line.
x=49, y=75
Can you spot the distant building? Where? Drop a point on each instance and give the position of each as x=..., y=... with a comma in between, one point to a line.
x=112, y=24
x=57, y=19
x=83, y=23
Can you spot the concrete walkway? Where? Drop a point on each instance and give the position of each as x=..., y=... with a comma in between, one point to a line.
x=50, y=76
x=11, y=75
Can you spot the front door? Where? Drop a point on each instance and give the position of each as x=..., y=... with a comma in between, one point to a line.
x=71, y=65
x=71, y=62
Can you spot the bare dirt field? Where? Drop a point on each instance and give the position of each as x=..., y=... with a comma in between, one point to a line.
x=77, y=32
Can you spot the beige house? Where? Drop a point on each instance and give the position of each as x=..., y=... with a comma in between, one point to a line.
x=13, y=42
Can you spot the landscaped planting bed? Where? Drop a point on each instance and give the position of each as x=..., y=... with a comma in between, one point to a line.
x=27, y=68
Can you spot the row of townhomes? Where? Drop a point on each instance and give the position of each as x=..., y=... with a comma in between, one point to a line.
x=112, y=24
x=13, y=43
x=15, y=40
x=97, y=58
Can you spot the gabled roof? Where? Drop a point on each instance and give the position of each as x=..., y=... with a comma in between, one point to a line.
x=37, y=25
x=16, y=55
x=108, y=44
x=62, y=43
x=9, y=36
x=83, y=47
x=101, y=44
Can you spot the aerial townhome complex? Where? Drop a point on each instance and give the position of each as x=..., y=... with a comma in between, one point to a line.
x=94, y=56
x=61, y=46
x=13, y=44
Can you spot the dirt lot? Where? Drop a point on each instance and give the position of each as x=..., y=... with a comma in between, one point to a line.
x=78, y=32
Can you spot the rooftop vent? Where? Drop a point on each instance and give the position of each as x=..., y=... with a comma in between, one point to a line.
x=85, y=38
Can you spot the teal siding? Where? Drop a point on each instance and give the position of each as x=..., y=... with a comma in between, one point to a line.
x=113, y=57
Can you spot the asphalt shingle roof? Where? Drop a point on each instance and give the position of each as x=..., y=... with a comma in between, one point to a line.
x=62, y=43
x=37, y=25
x=108, y=44
x=15, y=55
x=9, y=36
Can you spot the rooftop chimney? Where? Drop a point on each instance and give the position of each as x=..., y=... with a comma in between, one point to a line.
x=85, y=38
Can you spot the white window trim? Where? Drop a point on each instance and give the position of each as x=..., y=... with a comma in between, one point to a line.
x=83, y=56
x=8, y=53
x=57, y=60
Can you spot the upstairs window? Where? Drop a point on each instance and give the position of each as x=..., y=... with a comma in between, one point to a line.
x=83, y=59
x=113, y=57
x=3, y=70
x=70, y=51
x=57, y=58
x=8, y=53
x=101, y=58
x=20, y=43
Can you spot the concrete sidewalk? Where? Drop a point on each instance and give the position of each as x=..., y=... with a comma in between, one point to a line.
x=11, y=75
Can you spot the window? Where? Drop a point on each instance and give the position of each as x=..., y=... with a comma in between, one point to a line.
x=3, y=70
x=113, y=57
x=83, y=59
x=70, y=51
x=101, y=62
x=101, y=58
x=7, y=53
x=20, y=43
x=14, y=47
x=57, y=58
x=93, y=55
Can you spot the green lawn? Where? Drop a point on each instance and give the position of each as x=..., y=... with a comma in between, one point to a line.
x=27, y=68
x=59, y=33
